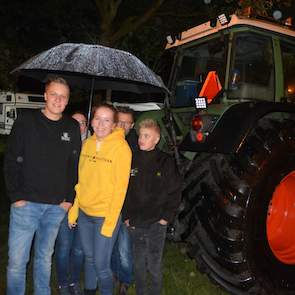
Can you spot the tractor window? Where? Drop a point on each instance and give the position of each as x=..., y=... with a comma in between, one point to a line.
x=195, y=64
x=288, y=58
x=252, y=69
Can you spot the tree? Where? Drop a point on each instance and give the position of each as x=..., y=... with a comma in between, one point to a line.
x=110, y=32
x=136, y=26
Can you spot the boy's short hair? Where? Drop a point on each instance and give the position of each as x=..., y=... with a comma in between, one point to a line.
x=150, y=123
x=56, y=79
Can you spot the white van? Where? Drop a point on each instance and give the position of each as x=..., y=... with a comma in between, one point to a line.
x=12, y=104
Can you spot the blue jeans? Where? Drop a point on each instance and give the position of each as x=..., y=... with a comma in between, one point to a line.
x=98, y=251
x=68, y=255
x=147, y=248
x=122, y=256
x=41, y=221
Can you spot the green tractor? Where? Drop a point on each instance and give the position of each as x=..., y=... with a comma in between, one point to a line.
x=238, y=152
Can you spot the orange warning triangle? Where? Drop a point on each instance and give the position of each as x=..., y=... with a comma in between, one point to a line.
x=211, y=86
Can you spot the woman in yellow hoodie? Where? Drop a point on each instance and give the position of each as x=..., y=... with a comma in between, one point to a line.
x=104, y=170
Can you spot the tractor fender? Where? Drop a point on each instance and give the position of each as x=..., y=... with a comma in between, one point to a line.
x=233, y=126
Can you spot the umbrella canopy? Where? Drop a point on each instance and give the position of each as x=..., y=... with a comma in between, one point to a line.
x=93, y=67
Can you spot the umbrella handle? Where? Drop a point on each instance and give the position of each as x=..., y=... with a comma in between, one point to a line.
x=90, y=104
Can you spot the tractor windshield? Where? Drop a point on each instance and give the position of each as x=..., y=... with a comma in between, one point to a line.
x=195, y=63
x=252, y=68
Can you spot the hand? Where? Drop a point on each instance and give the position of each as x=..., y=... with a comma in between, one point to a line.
x=72, y=225
x=66, y=205
x=163, y=221
x=19, y=203
x=127, y=222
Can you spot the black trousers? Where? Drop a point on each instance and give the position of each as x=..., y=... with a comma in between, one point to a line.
x=147, y=250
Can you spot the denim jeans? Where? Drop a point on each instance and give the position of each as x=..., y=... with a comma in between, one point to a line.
x=41, y=221
x=122, y=264
x=147, y=248
x=68, y=255
x=98, y=251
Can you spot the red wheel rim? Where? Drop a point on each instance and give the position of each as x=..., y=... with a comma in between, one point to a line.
x=280, y=225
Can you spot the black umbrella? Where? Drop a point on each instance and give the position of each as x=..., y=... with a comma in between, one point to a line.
x=93, y=67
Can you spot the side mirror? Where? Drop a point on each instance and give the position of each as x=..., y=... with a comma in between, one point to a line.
x=11, y=114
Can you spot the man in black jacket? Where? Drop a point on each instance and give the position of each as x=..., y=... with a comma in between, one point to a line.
x=122, y=254
x=152, y=199
x=40, y=169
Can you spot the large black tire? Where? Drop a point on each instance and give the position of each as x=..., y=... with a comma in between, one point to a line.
x=224, y=210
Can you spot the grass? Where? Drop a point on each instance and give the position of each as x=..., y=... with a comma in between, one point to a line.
x=180, y=274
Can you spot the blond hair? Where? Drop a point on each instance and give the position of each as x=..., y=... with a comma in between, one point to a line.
x=151, y=124
x=56, y=79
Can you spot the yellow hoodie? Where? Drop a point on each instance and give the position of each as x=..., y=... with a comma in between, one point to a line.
x=104, y=169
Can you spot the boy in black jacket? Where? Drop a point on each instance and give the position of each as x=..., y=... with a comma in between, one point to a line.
x=152, y=198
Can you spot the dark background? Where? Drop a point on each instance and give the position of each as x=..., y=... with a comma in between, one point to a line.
x=28, y=27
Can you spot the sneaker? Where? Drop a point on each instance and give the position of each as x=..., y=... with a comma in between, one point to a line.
x=123, y=289
x=63, y=290
x=75, y=289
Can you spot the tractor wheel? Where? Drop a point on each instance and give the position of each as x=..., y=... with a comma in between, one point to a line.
x=238, y=213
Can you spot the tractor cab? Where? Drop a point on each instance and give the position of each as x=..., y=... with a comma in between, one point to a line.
x=254, y=61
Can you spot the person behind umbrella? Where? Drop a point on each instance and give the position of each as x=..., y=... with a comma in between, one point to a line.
x=152, y=198
x=122, y=256
x=68, y=249
x=126, y=121
x=104, y=169
x=41, y=165
x=81, y=119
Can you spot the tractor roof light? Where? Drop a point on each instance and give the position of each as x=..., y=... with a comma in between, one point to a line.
x=171, y=39
x=223, y=19
x=213, y=23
